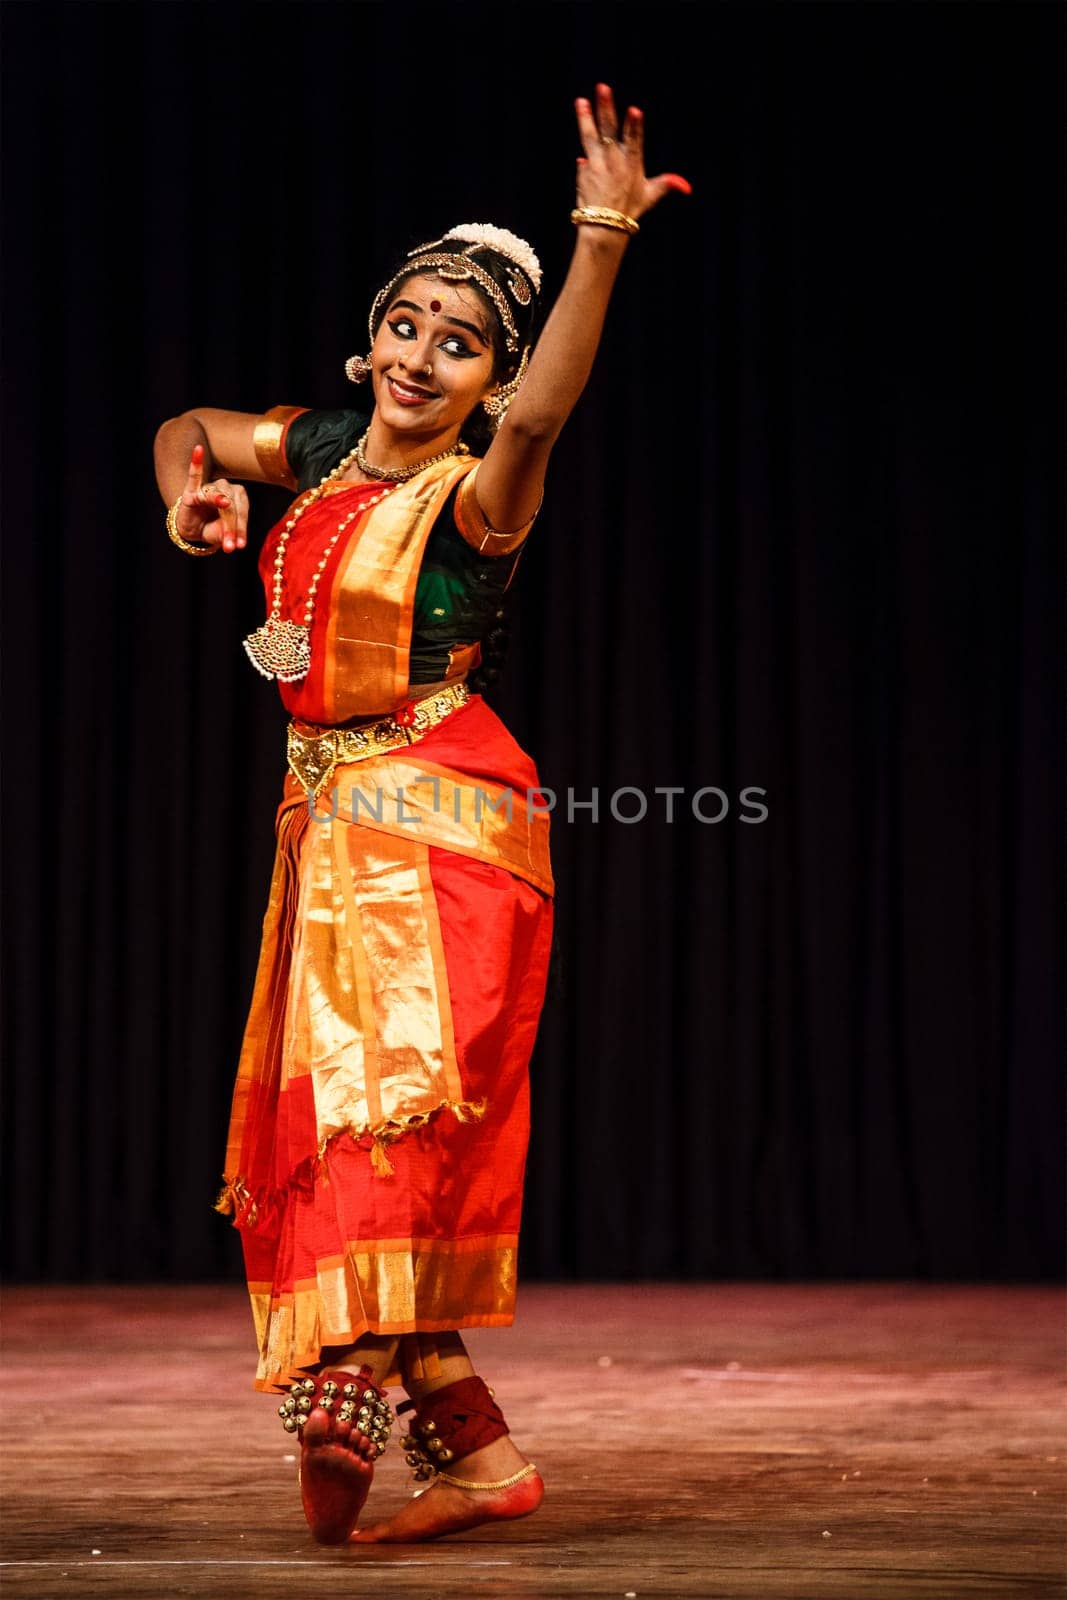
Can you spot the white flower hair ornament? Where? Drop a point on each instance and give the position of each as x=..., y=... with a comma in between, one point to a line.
x=503, y=242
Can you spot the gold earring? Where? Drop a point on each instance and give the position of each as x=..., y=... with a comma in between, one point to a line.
x=358, y=369
x=495, y=405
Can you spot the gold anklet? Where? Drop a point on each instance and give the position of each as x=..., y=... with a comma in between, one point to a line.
x=502, y=1483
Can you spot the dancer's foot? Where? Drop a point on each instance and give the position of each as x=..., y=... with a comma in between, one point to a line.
x=445, y=1508
x=343, y=1423
x=336, y=1468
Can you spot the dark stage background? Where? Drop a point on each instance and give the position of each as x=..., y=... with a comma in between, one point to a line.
x=804, y=534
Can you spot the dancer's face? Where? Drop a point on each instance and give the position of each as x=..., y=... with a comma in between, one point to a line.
x=433, y=356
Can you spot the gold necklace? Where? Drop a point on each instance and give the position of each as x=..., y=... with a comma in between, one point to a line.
x=281, y=648
x=402, y=474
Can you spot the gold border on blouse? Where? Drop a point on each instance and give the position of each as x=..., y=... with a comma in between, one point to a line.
x=476, y=529
x=268, y=440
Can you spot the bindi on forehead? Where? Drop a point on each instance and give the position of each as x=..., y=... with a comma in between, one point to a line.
x=453, y=299
x=462, y=307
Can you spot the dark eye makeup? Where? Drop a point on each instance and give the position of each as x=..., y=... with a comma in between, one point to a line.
x=454, y=344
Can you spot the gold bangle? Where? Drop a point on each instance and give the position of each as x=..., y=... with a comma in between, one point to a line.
x=604, y=217
x=183, y=544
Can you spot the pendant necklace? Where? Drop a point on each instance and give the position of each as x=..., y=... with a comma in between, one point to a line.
x=281, y=648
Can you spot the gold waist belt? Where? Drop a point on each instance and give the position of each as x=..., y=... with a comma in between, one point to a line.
x=314, y=753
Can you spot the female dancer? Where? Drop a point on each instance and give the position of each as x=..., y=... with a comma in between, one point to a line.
x=381, y=1111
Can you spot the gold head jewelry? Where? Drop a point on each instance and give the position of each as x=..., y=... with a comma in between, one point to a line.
x=456, y=266
x=502, y=240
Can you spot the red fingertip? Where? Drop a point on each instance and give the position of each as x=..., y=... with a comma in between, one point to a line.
x=676, y=181
x=198, y=454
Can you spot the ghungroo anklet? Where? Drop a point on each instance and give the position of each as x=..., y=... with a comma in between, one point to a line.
x=343, y=1424
x=348, y=1400
x=449, y=1424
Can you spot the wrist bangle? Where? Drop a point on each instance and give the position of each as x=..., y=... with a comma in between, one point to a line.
x=183, y=544
x=604, y=217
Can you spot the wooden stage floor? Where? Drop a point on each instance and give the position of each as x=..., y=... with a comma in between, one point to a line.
x=720, y=1440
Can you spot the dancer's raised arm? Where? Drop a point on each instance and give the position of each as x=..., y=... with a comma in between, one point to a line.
x=613, y=192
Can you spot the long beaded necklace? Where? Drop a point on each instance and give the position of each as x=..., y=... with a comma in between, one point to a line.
x=281, y=648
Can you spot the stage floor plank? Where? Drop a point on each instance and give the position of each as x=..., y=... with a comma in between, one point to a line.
x=728, y=1441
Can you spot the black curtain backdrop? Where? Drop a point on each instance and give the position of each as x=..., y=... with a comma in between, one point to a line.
x=803, y=535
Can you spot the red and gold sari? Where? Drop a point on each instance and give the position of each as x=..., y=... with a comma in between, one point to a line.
x=380, y=1117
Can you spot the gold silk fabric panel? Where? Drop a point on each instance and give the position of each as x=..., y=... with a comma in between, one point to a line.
x=408, y=798
x=369, y=636
x=366, y=1013
x=369, y=1017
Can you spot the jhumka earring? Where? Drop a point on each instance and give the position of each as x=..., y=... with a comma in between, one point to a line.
x=495, y=405
x=358, y=369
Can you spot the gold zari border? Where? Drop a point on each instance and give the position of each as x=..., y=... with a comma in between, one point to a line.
x=268, y=441
x=383, y=1286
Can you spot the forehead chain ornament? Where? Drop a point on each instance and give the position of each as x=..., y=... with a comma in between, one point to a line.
x=457, y=267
